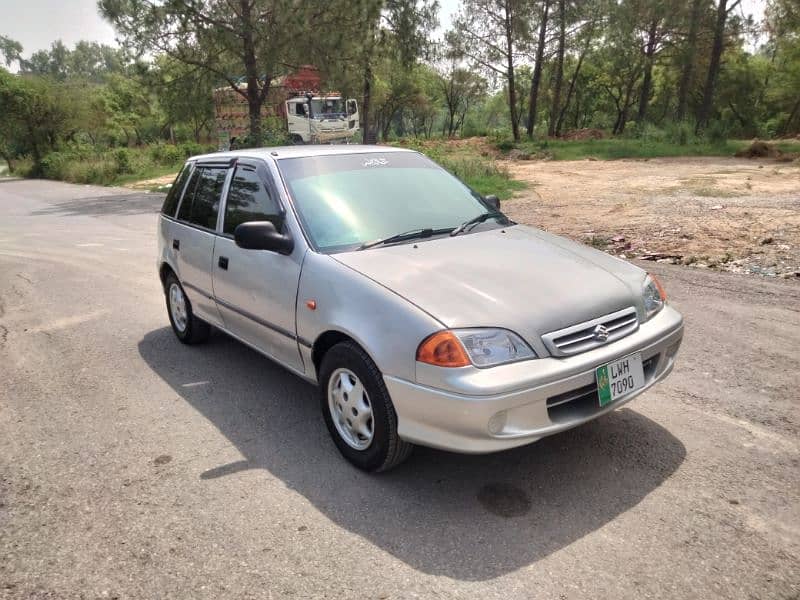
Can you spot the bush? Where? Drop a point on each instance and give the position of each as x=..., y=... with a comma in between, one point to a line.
x=188, y=149
x=681, y=133
x=166, y=154
x=122, y=160
x=717, y=132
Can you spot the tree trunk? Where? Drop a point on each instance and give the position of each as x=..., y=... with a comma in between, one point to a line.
x=786, y=128
x=512, y=88
x=713, y=67
x=570, y=89
x=650, y=50
x=368, y=134
x=687, y=72
x=537, y=71
x=555, y=109
x=255, y=97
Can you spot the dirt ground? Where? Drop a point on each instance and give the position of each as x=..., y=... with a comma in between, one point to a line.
x=730, y=214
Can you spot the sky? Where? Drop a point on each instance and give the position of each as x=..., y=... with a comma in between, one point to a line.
x=37, y=23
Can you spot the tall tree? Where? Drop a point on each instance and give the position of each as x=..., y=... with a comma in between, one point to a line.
x=537, y=70
x=717, y=47
x=688, y=59
x=491, y=34
x=559, y=67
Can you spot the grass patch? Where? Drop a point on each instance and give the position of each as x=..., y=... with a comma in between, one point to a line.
x=618, y=148
x=481, y=173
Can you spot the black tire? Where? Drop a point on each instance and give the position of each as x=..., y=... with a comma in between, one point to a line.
x=386, y=450
x=196, y=330
x=297, y=140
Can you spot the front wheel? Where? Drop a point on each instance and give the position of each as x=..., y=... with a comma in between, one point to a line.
x=358, y=410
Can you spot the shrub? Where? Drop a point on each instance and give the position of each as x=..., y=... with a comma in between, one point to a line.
x=717, y=132
x=122, y=159
x=166, y=154
x=681, y=133
x=188, y=149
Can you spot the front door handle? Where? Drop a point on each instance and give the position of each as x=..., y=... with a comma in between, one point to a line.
x=223, y=262
x=176, y=244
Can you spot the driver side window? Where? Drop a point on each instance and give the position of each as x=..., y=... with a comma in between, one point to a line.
x=249, y=199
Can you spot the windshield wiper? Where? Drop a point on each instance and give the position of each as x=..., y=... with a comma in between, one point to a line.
x=475, y=220
x=414, y=234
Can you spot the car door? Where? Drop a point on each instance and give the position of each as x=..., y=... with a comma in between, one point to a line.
x=194, y=237
x=256, y=290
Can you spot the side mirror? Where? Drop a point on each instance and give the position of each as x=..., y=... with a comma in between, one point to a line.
x=492, y=201
x=307, y=110
x=352, y=107
x=262, y=235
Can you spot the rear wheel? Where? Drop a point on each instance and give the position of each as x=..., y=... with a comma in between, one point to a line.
x=358, y=409
x=187, y=327
x=297, y=139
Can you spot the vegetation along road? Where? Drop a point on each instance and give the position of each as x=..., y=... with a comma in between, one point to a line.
x=133, y=467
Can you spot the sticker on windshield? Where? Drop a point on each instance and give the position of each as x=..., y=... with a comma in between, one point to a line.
x=376, y=162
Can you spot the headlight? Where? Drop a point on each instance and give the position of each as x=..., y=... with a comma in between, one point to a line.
x=653, y=295
x=482, y=347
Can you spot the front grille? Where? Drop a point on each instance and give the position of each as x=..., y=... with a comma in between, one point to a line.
x=583, y=402
x=592, y=334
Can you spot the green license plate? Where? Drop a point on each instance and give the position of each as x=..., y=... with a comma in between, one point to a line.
x=619, y=378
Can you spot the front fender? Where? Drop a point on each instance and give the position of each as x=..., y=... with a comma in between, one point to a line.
x=388, y=327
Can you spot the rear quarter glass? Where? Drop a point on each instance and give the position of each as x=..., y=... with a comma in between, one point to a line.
x=174, y=194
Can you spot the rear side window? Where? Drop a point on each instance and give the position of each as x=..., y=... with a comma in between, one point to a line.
x=174, y=194
x=200, y=205
x=249, y=199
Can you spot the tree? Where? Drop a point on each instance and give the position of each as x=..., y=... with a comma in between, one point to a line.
x=717, y=47
x=234, y=40
x=186, y=94
x=688, y=60
x=36, y=115
x=492, y=34
x=537, y=70
x=460, y=88
x=10, y=50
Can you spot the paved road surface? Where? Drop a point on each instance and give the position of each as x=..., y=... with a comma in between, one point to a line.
x=134, y=467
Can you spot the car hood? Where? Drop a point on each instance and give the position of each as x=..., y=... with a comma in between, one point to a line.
x=519, y=278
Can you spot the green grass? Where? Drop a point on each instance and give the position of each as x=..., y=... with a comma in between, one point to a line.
x=617, y=148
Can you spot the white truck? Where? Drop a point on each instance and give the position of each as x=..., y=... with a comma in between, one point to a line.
x=321, y=119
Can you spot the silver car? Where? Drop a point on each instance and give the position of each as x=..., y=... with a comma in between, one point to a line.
x=423, y=313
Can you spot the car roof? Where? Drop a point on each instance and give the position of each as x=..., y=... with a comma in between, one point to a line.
x=279, y=152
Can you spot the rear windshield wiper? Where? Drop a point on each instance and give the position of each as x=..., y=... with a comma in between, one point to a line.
x=406, y=235
x=479, y=219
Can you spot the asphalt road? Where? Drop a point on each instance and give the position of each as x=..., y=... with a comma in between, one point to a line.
x=134, y=467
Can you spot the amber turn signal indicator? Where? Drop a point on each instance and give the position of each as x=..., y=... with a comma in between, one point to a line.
x=659, y=287
x=311, y=304
x=443, y=350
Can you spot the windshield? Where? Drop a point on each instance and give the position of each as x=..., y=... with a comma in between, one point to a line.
x=328, y=107
x=344, y=201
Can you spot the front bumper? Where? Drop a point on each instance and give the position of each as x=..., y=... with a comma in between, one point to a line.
x=486, y=410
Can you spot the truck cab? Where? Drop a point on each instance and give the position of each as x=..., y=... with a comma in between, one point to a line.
x=321, y=119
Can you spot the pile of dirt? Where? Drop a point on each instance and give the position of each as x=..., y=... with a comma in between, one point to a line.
x=584, y=134
x=759, y=149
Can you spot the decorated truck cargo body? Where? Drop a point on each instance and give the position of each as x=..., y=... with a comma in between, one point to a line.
x=309, y=115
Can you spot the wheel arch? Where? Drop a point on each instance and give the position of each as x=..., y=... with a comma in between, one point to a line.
x=163, y=271
x=327, y=340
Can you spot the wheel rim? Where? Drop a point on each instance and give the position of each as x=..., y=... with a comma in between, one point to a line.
x=351, y=409
x=177, y=306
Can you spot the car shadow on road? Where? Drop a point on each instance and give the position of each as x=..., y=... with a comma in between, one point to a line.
x=116, y=204
x=464, y=517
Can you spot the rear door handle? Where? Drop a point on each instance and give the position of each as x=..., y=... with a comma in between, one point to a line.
x=176, y=244
x=223, y=262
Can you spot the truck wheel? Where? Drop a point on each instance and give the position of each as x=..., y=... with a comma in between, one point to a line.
x=297, y=140
x=358, y=410
x=187, y=327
